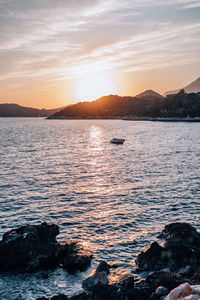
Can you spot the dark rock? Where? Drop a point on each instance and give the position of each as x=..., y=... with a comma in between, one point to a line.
x=73, y=257
x=82, y=296
x=151, y=258
x=105, y=292
x=161, y=278
x=34, y=247
x=181, y=251
x=162, y=291
x=142, y=293
x=126, y=282
x=180, y=234
x=29, y=247
x=195, y=279
x=103, y=266
x=159, y=293
x=98, y=279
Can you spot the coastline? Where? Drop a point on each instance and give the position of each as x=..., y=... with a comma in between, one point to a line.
x=151, y=119
x=160, y=119
x=172, y=266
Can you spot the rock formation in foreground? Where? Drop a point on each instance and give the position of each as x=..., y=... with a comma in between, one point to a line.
x=177, y=263
x=180, y=253
x=34, y=247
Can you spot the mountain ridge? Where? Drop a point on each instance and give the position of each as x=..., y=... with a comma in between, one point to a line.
x=193, y=87
x=114, y=106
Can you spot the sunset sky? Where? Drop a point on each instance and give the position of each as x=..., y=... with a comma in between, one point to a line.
x=56, y=52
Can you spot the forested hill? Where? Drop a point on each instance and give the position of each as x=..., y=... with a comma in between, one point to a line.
x=113, y=106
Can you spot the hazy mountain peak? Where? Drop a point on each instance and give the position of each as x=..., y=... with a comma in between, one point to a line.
x=193, y=87
x=149, y=94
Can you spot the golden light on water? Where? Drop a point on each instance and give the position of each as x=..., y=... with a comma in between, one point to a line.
x=96, y=138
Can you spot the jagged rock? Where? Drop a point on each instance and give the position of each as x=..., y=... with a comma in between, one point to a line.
x=34, y=247
x=126, y=282
x=151, y=258
x=99, y=278
x=73, y=257
x=181, y=249
x=180, y=234
x=161, y=290
x=103, y=266
x=161, y=278
x=159, y=293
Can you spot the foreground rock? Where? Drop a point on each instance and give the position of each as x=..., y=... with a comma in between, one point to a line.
x=180, y=253
x=34, y=247
x=185, y=291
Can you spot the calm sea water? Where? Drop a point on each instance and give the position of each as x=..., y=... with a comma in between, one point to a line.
x=114, y=198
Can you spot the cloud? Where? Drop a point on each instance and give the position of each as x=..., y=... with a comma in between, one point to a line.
x=51, y=40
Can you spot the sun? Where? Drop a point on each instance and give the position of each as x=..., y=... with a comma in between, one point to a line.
x=95, y=85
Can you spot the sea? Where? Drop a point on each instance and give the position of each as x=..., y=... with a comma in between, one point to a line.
x=114, y=199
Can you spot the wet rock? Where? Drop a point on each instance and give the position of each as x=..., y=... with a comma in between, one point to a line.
x=151, y=259
x=161, y=278
x=180, y=234
x=34, y=247
x=159, y=293
x=126, y=282
x=103, y=266
x=73, y=257
x=180, y=253
x=187, y=271
x=98, y=279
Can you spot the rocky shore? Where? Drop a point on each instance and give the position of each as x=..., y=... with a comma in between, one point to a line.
x=33, y=247
x=170, y=264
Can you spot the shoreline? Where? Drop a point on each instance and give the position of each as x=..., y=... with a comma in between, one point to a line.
x=150, y=119
x=174, y=264
x=160, y=119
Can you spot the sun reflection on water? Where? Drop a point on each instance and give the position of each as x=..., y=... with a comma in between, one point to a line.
x=96, y=138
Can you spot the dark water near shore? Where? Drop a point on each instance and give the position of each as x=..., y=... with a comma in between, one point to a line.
x=114, y=198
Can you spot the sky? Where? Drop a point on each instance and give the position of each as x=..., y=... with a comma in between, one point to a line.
x=54, y=53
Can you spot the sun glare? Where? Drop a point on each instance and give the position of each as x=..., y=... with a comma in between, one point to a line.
x=95, y=86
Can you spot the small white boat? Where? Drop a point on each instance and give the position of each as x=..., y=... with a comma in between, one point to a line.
x=117, y=141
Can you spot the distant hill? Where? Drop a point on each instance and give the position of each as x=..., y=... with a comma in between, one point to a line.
x=180, y=105
x=112, y=106
x=15, y=110
x=149, y=95
x=193, y=87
